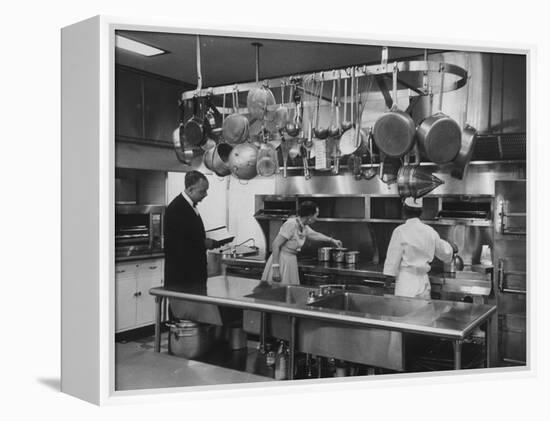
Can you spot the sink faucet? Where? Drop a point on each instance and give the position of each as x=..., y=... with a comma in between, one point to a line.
x=329, y=289
x=323, y=291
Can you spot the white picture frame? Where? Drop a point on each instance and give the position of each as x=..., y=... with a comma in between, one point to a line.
x=88, y=165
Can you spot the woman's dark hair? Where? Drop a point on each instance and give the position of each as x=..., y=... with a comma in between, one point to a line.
x=307, y=208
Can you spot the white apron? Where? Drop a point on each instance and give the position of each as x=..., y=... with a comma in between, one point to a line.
x=411, y=282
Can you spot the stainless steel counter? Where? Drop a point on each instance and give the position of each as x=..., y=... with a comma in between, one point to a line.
x=446, y=319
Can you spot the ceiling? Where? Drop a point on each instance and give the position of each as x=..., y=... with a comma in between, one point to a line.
x=228, y=60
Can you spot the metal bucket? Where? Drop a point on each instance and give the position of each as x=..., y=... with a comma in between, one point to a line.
x=323, y=254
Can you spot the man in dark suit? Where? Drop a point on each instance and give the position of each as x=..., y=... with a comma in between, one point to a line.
x=185, y=241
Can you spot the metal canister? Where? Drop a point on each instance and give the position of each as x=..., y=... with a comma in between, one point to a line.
x=323, y=254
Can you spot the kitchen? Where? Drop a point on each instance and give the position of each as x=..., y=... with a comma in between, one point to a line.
x=474, y=196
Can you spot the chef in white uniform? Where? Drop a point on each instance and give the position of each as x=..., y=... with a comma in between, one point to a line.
x=412, y=247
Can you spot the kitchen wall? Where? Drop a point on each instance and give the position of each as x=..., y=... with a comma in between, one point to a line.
x=140, y=186
x=230, y=202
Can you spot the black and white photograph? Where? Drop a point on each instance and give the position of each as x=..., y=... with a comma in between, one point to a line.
x=290, y=210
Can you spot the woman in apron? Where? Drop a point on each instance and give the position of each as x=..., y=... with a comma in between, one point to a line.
x=282, y=265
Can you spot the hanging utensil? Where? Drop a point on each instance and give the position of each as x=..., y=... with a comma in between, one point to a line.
x=305, y=164
x=370, y=172
x=260, y=99
x=292, y=127
x=394, y=131
x=354, y=140
x=267, y=163
x=334, y=128
x=242, y=161
x=439, y=136
x=414, y=182
x=347, y=124
x=320, y=132
x=468, y=141
x=281, y=113
x=285, y=147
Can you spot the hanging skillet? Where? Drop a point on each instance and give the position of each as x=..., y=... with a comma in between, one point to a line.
x=394, y=131
x=193, y=128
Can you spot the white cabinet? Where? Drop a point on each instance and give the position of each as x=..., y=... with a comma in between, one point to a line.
x=135, y=307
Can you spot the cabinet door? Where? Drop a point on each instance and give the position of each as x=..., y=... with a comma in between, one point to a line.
x=149, y=275
x=128, y=104
x=161, y=109
x=125, y=299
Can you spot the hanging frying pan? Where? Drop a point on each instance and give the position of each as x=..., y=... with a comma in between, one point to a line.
x=394, y=131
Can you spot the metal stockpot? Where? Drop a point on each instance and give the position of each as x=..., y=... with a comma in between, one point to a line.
x=439, y=138
x=323, y=254
x=189, y=339
x=351, y=257
x=242, y=161
x=338, y=254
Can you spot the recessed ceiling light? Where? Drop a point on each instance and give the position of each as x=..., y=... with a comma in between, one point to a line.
x=137, y=47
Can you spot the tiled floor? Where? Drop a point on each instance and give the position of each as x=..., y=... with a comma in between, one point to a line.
x=137, y=366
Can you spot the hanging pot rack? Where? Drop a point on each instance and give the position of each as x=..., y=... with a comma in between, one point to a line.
x=414, y=71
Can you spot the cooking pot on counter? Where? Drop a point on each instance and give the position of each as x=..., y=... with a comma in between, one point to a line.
x=338, y=254
x=351, y=257
x=323, y=254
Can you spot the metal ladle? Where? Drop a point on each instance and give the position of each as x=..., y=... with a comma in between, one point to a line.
x=347, y=124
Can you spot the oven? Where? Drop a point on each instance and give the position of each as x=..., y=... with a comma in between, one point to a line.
x=138, y=229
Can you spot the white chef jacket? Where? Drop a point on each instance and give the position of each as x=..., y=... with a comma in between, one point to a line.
x=412, y=247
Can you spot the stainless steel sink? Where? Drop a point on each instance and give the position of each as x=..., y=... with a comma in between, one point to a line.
x=288, y=294
x=371, y=305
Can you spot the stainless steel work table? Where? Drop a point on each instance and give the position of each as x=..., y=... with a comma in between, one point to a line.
x=445, y=319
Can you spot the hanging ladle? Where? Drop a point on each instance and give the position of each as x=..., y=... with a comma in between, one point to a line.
x=347, y=124
x=320, y=132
